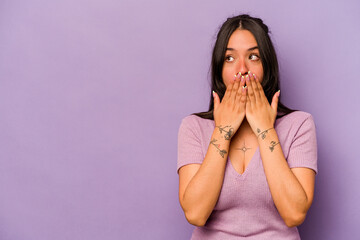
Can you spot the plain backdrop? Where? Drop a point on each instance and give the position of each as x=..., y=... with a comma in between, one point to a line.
x=92, y=93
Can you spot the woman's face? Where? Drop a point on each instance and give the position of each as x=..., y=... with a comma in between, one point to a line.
x=242, y=55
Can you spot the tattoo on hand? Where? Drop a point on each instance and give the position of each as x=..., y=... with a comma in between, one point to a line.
x=229, y=132
x=273, y=144
x=222, y=152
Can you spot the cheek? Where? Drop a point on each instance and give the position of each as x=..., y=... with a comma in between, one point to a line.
x=259, y=73
x=227, y=76
x=226, y=79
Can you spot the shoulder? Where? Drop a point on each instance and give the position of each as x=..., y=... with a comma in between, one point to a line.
x=196, y=122
x=196, y=127
x=297, y=130
x=294, y=120
x=297, y=135
x=295, y=125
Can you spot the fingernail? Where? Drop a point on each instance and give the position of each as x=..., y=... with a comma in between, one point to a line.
x=235, y=77
x=244, y=87
x=278, y=93
x=254, y=75
x=247, y=76
x=213, y=93
x=239, y=73
x=249, y=72
x=242, y=77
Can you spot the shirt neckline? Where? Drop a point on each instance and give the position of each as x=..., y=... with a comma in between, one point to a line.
x=247, y=169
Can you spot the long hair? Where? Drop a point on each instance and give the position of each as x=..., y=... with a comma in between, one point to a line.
x=270, y=82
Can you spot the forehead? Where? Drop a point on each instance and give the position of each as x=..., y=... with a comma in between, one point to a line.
x=241, y=39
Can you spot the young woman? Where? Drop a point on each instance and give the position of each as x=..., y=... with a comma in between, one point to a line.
x=247, y=166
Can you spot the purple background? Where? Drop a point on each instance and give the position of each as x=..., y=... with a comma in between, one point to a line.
x=92, y=94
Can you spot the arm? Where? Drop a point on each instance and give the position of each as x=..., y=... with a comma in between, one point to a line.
x=200, y=185
x=292, y=189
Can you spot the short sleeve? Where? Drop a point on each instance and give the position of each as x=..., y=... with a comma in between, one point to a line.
x=303, y=149
x=189, y=143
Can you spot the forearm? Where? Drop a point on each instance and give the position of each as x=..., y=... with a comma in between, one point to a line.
x=288, y=194
x=203, y=190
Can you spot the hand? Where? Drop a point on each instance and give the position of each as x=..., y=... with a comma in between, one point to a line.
x=259, y=113
x=230, y=113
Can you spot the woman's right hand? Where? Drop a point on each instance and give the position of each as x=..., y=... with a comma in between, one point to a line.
x=230, y=113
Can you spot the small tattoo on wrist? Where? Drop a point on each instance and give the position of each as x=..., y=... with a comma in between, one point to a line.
x=217, y=146
x=229, y=131
x=272, y=145
x=263, y=133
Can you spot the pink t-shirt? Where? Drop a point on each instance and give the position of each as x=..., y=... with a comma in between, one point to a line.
x=245, y=208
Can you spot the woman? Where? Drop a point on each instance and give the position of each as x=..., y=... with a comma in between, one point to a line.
x=247, y=166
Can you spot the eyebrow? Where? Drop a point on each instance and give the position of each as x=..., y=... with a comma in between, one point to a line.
x=250, y=49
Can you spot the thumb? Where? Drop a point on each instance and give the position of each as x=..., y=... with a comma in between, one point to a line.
x=216, y=100
x=275, y=101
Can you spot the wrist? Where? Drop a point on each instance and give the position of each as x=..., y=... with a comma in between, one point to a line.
x=261, y=133
x=225, y=131
x=219, y=143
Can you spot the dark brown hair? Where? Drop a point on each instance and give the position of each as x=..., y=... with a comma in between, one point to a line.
x=270, y=82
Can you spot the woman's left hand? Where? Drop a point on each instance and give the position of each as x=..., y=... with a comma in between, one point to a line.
x=260, y=115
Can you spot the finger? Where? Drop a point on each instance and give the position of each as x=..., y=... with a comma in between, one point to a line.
x=243, y=97
x=240, y=91
x=250, y=90
x=216, y=100
x=228, y=89
x=261, y=90
x=248, y=102
x=235, y=89
x=275, y=101
x=254, y=87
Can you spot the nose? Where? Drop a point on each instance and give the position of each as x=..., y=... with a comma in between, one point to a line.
x=242, y=67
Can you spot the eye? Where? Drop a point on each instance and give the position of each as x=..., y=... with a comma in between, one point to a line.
x=254, y=57
x=229, y=58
